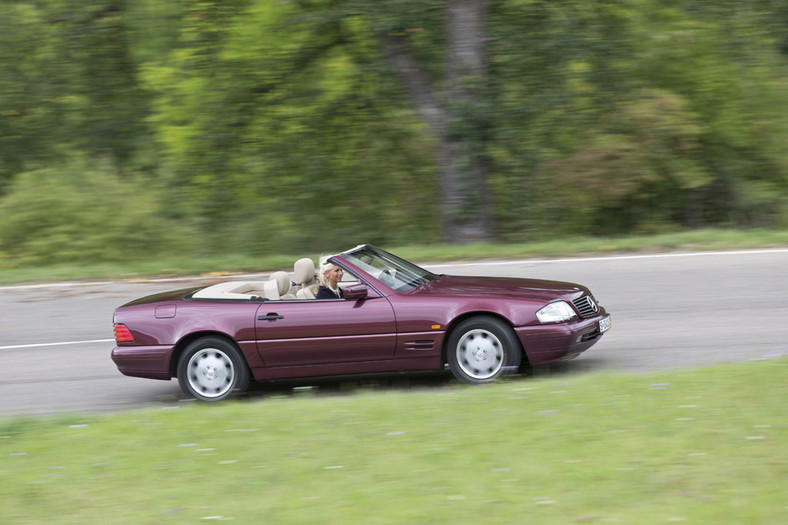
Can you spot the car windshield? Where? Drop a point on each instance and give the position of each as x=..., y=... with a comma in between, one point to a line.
x=389, y=269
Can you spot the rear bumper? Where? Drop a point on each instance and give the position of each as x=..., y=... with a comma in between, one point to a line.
x=143, y=361
x=545, y=344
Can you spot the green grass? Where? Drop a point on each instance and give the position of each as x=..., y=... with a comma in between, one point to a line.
x=696, y=240
x=700, y=446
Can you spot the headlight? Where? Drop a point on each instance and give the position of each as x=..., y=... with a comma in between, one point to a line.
x=556, y=312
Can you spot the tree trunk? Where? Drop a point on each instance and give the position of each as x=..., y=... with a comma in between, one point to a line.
x=463, y=170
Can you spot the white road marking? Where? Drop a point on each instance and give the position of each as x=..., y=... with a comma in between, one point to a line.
x=67, y=284
x=40, y=345
x=443, y=265
x=447, y=265
x=609, y=258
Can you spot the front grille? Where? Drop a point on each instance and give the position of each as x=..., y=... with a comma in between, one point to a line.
x=587, y=306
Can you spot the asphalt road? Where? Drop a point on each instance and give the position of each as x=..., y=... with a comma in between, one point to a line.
x=670, y=311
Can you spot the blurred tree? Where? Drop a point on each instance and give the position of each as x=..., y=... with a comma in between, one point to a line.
x=284, y=101
x=453, y=104
x=68, y=82
x=313, y=123
x=677, y=103
x=722, y=61
x=641, y=168
x=82, y=211
x=557, y=69
x=320, y=67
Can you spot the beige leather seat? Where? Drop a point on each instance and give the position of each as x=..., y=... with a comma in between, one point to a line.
x=271, y=290
x=283, y=286
x=305, y=279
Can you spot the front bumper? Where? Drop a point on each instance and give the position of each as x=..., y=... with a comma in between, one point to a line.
x=550, y=343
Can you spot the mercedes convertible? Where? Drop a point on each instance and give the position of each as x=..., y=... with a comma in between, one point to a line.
x=395, y=317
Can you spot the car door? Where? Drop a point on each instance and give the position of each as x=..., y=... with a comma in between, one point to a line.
x=315, y=332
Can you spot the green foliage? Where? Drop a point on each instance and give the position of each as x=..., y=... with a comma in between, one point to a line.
x=83, y=212
x=270, y=124
x=639, y=116
x=67, y=82
x=639, y=169
x=306, y=153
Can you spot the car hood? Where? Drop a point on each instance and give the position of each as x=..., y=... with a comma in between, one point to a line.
x=501, y=287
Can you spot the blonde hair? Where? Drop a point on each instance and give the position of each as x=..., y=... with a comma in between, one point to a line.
x=326, y=266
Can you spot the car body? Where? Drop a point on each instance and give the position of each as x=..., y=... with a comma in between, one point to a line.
x=395, y=317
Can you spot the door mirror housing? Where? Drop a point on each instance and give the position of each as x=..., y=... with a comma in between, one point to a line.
x=355, y=292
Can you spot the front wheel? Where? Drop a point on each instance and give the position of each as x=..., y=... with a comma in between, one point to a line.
x=481, y=349
x=211, y=369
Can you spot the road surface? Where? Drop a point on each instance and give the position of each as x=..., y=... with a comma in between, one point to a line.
x=670, y=311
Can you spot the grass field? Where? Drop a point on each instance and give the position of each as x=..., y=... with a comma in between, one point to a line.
x=178, y=265
x=701, y=446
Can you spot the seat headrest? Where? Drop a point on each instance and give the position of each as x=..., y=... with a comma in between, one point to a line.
x=304, y=271
x=282, y=281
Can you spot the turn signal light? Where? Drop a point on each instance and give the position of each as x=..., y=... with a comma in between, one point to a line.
x=122, y=334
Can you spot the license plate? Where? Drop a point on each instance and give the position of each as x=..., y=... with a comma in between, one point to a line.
x=604, y=325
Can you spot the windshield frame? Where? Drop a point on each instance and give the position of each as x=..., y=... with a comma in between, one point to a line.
x=402, y=276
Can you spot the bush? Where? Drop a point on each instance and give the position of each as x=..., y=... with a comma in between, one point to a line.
x=84, y=212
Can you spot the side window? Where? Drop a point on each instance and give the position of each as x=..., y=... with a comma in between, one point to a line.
x=348, y=279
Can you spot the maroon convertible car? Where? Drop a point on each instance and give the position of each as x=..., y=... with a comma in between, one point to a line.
x=395, y=317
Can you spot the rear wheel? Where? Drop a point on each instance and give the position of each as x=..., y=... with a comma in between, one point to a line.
x=211, y=369
x=481, y=349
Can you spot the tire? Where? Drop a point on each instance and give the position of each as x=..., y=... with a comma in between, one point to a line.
x=212, y=369
x=481, y=349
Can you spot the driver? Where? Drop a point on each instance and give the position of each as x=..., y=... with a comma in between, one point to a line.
x=330, y=275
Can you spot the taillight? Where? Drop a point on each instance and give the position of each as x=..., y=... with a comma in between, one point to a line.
x=122, y=334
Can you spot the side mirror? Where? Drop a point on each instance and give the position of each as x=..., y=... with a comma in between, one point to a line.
x=355, y=292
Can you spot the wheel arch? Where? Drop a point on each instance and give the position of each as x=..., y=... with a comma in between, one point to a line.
x=467, y=315
x=181, y=346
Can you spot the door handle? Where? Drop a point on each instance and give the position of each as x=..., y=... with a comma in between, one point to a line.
x=269, y=317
